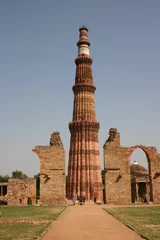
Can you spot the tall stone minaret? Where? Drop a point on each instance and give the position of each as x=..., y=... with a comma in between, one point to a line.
x=84, y=172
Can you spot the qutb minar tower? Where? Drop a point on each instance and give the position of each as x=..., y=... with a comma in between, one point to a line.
x=84, y=172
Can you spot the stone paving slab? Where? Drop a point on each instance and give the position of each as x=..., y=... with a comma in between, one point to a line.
x=89, y=222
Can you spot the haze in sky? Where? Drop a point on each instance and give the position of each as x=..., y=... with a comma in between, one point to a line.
x=37, y=71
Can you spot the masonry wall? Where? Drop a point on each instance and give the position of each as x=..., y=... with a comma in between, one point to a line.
x=52, y=172
x=117, y=171
x=21, y=189
x=155, y=174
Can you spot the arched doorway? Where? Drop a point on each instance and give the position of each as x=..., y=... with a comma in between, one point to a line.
x=140, y=171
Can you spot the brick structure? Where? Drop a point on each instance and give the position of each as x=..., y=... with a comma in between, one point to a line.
x=117, y=170
x=52, y=172
x=84, y=172
x=140, y=186
x=18, y=191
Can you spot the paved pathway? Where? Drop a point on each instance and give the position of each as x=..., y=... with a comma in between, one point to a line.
x=88, y=222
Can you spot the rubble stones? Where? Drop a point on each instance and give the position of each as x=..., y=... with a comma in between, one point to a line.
x=55, y=140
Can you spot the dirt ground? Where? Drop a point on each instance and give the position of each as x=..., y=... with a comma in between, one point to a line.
x=89, y=222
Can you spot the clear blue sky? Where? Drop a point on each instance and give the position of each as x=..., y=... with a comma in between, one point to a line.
x=37, y=51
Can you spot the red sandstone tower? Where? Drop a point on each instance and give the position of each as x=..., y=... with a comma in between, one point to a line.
x=84, y=172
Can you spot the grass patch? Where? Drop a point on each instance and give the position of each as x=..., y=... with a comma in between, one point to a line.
x=30, y=213
x=27, y=231
x=145, y=220
x=21, y=231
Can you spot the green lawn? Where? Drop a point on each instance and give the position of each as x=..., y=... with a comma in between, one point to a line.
x=30, y=213
x=21, y=231
x=145, y=220
x=27, y=231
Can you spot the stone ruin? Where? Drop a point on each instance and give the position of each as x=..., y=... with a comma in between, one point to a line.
x=55, y=140
x=117, y=170
x=18, y=191
x=52, y=179
x=120, y=182
x=52, y=172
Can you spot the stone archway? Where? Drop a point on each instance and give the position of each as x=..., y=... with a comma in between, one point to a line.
x=117, y=170
x=149, y=156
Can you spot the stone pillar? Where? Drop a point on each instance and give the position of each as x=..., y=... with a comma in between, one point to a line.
x=52, y=172
x=147, y=190
x=118, y=179
x=137, y=196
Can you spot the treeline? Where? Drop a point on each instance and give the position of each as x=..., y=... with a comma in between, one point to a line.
x=15, y=174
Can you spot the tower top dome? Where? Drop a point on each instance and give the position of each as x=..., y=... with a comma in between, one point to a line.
x=83, y=27
x=83, y=43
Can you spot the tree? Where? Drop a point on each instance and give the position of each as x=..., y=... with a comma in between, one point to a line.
x=19, y=175
x=4, y=178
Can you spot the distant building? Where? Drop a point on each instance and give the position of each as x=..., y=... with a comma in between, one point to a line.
x=140, y=188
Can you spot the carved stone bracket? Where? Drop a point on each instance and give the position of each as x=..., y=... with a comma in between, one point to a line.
x=83, y=59
x=84, y=126
x=83, y=87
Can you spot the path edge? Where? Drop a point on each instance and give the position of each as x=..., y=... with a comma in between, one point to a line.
x=50, y=225
x=127, y=225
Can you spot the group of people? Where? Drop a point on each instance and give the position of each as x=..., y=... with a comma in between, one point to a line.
x=81, y=200
x=78, y=199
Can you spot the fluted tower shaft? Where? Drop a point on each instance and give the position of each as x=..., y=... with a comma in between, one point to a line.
x=84, y=172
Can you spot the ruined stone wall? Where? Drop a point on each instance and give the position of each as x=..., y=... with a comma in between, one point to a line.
x=21, y=189
x=31, y=191
x=117, y=170
x=52, y=172
x=153, y=159
x=155, y=174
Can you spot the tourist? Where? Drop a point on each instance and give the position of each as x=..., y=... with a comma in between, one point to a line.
x=83, y=199
x=94, y=199
x=73, y=200
x=76, y=197
x=29, y=201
